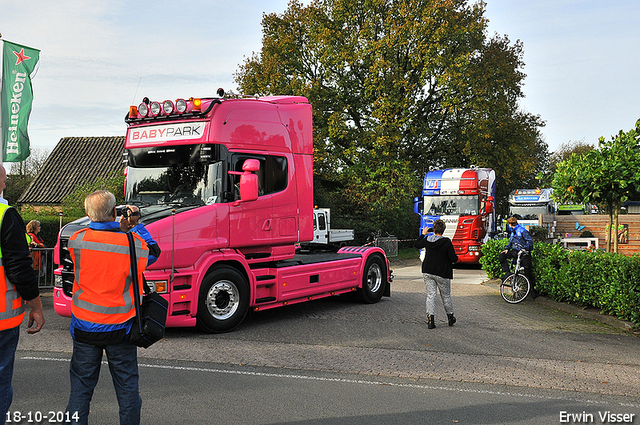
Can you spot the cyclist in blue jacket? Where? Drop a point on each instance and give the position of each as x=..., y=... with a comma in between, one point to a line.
x=520, y=240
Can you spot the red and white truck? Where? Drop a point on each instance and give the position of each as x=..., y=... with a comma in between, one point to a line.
x=464, y=199
x=225, y=186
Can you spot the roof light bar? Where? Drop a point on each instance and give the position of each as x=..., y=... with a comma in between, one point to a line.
x=180, y=106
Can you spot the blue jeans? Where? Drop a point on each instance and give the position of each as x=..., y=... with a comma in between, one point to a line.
x=8, y=345
x=85, y=371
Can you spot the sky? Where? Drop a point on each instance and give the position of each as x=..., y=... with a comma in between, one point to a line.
x=99, y=57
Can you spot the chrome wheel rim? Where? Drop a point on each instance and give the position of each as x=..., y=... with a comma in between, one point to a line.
x=223, y=299
x=374, y=278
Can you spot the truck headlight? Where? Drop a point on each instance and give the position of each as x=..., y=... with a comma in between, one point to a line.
x=159, y=286
x=57, y=281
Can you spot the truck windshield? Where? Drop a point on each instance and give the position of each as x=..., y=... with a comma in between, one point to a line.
x=451, y=205
x=528, y=212
x=180, y=184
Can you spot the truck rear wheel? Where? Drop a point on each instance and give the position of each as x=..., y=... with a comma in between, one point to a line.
x=224, y=300
x=373, y=280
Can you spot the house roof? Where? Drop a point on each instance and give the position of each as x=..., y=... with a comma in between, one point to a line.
x=73, y=162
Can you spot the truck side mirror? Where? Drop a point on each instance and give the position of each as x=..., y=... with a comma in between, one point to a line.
x=489, y=205
x=418, y=205
x=248, y=181
x=248, y=187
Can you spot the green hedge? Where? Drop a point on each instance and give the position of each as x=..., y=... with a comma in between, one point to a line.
x=610, y=282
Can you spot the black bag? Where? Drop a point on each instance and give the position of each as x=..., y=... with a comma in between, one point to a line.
x=148, y=325
x=151, y=316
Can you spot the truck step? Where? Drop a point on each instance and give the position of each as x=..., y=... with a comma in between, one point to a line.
x=265, y=300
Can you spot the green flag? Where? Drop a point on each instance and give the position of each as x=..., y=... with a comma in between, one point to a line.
x=18, y=63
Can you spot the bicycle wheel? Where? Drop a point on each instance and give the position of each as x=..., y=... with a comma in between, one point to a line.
x=515, y=288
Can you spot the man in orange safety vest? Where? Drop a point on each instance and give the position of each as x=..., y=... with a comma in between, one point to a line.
x=103, y=306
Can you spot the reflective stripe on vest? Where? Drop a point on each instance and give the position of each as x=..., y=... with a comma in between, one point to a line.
x=117, y=257
x=11, y=304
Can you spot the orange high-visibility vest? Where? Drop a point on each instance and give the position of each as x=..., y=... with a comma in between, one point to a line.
x=102, y=286
x=11, y=304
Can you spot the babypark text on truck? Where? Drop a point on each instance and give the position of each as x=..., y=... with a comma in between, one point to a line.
x=463, y=198
x=225, y=186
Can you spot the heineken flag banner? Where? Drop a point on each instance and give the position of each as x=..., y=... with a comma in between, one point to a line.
x=18, y=63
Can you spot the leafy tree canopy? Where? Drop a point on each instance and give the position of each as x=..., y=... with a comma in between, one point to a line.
x=563, y=153
x=399, y=86
x=606, y=176
x=73, y=204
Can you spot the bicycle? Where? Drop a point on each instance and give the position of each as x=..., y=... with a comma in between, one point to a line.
x=515, y=287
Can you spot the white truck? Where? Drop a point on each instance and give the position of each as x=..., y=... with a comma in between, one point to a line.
x=526, y=204
x=324, y=234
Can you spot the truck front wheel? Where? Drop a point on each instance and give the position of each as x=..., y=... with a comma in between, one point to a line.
x=224, y=300
x=373, y=280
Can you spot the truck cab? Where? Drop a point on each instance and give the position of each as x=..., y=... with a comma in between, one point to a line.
x=324, y=234
x=464, y=199
x=527, y=204
x=225, y=187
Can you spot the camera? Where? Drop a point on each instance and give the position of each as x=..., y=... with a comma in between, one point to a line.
x=126, y=213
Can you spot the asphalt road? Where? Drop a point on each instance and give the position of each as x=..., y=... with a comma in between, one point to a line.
x=336, y=361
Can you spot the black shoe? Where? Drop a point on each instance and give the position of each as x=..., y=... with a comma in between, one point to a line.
x=430, y=322
x=534, y=294
x=452, y=319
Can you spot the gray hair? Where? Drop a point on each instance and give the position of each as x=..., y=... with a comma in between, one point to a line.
x=100, y=206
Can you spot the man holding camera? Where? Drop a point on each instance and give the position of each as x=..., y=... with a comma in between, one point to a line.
x=103, y=307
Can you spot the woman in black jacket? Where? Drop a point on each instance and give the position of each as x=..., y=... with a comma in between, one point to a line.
x=437, y=269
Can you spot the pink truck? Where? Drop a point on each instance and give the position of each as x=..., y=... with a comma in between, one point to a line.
x=225, y=186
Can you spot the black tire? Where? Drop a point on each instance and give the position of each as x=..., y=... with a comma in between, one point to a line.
x=223, y=301
x=515, y=288
x=374, y=280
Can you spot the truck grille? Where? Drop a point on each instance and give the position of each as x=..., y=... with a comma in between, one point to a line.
x=67, y=268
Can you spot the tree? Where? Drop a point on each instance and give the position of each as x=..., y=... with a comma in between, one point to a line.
x=73, y=203
x=397, y=87
x=563, y=153
x=21, y=173
x=607, y=176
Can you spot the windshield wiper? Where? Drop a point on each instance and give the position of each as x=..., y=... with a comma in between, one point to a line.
x=138, y=202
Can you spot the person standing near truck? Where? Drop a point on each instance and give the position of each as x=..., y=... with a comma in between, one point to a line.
x=437, y=270
x=18, y=283
x=103, y=307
